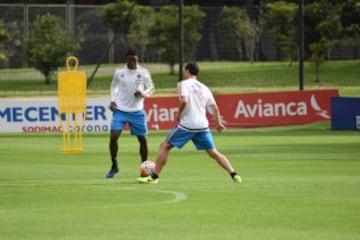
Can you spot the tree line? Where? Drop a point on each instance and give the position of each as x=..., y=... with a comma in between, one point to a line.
x=147, y=29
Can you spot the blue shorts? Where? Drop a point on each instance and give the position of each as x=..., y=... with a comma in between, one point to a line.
x=136, y=121
x=178, y=137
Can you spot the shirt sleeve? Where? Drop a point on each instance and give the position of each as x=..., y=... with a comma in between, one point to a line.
x=182, y=89
x=114, y=87
x=148, y=84
x=211, y=99
x=210, y=103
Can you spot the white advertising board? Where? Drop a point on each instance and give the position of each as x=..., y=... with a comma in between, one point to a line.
x=41, y=115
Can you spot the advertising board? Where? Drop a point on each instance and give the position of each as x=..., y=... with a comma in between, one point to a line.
x=237, y=110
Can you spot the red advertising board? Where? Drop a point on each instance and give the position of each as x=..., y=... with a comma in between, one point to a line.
x=237, y=110
x=252, y=109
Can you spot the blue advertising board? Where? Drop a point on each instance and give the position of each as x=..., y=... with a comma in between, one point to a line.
x=345, y=113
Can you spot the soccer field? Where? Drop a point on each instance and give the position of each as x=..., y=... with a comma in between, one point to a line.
x=300, y=182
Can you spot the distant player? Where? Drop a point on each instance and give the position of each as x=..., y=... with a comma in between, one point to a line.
x=129, y=87
x=195, y=99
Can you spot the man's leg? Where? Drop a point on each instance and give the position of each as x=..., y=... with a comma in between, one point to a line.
x=144, y=150
x=162, y=157
x=113, y=147
x=161, y=160
x=176, y=137
x=224, y=163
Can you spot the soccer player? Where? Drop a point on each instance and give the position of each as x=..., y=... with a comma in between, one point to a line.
x=129, y=87
x=195, y=100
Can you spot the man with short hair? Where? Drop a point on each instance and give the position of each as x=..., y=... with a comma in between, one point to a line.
x=129, y=87
x=195, y=100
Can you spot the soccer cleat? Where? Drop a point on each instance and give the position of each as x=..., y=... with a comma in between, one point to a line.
x=112, y=172
x=148, y=180
x=237, y=179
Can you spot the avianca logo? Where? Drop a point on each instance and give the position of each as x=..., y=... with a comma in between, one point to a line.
x=317, y=108
x=278, y=109
x=261, y=109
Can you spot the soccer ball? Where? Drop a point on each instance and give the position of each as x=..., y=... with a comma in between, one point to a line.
x=146, y=168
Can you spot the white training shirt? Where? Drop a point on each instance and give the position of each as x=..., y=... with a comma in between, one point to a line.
x=124, y=84
x=199, y=97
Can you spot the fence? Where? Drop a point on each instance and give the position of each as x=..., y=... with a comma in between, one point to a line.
x=18, y=18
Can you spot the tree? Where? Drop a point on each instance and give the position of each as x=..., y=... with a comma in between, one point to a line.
x=11, y=39
x=131, y=21
x=49, y=44
x=4, y=36
x=166, y=32
x=322, y=31
x=327, y=23
x=236, y=27
x=139, y=31
x=118, y=16
x=280, y=18
x=350, y=18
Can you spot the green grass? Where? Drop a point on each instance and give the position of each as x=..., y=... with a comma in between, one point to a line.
x=240, y=76
x=299, y=182
x=222, y=77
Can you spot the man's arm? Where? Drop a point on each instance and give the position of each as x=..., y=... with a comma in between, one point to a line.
x=181, y=107
x=214, y=110
x=113, y=93
x=148, y=86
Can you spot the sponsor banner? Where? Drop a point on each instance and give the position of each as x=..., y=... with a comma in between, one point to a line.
x=345, y=113
x=41, y=115
x=253, y=109
x=276, y=108
x=237, y=110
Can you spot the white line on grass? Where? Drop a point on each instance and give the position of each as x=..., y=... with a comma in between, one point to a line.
x=177, y=197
